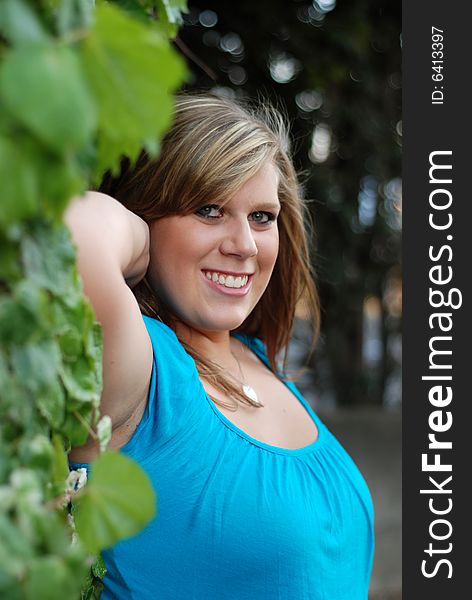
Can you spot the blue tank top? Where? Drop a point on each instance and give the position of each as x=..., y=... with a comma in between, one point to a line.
x=237, y=519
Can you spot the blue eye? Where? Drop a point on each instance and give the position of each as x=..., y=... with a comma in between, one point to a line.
x=262, y=217
x=211, y=211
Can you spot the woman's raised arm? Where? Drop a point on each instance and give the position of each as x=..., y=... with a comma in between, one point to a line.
x=112, y=255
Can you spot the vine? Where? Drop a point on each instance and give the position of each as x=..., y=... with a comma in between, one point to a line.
x=81, y=84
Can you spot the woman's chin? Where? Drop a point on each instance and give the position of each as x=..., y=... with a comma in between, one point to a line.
x=224, y=323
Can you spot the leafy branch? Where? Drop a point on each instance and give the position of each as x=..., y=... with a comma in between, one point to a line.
x=81, y=84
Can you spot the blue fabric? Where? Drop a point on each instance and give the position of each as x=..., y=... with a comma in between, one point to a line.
x=237, y=518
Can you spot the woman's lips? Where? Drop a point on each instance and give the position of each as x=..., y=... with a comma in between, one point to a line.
x=219, y=280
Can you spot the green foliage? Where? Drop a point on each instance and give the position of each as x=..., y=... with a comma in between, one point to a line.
x=171, y=14
x=93, y=585
x=116, y=503
x=19, y=23
x=81, y=84
x=120, y=57
x=19, y=187
x=61, y=113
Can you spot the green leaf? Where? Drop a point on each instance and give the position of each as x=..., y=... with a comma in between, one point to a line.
x=29, y=494
x=49, y=526
x=98, y=568
x=49, y=579
x=20, y=193
x=116, y=503
x=14, y=548
x=9, y=585
x=37, y=453
x=60, y=178
x=152, y=147
x=44, y=89
x=70, y=342
x=15, y=324
x=70, y=311
x=9, y=263
x=81, y=381
x=60, y=468
x=37, y=364
x=110, y=152
x=170, y=14
x=92, y=588
x=132, y=70
x=48, y=257
x=36, y=180
x=24, y=314
x=93, y=341
x=74, y=15
x=19, y=24
x=135, y=9
x=17, y=406
x=34, y=301
x=93, y=585
x=77, y=430
x=51, y=404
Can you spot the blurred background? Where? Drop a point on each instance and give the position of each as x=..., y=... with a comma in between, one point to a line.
x=334, y=68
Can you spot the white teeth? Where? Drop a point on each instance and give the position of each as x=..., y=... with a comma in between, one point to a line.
x=229, y=281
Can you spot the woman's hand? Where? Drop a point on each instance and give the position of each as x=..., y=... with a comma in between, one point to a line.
x=104, y=230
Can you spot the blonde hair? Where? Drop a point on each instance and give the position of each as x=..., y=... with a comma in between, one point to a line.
x=213, y=147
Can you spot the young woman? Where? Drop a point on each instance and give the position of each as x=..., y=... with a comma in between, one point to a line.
x=194, y=274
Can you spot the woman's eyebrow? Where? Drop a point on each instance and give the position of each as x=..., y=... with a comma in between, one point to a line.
x=267, y=205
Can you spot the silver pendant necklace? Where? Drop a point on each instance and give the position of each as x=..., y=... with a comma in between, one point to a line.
x=250, y=393
x=248, y=390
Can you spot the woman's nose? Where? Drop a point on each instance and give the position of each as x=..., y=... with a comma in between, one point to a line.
x=239, y=240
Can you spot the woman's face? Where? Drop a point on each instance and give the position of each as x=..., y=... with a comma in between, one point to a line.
x=212, y=267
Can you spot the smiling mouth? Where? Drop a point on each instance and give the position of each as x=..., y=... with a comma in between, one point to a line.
x=226, y=280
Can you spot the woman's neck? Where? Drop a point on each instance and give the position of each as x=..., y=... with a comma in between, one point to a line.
x=216, y=346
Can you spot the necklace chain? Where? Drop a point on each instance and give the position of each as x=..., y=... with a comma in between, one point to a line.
x=248, y=390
